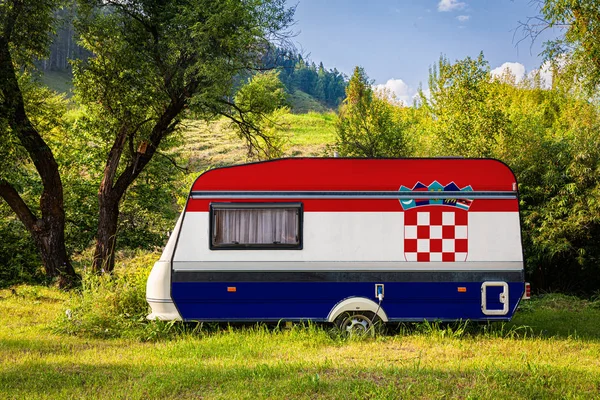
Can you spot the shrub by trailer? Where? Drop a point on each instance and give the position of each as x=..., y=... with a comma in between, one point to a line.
x=329, y=239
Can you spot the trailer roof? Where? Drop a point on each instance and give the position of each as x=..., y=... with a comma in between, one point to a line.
x=347, y=174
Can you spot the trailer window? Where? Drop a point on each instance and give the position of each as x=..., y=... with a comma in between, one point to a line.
x=256, y=226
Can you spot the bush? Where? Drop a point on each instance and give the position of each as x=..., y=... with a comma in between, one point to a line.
x=19, y=259
x=111, y=305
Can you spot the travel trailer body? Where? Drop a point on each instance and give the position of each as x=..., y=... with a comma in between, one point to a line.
x=328, y=238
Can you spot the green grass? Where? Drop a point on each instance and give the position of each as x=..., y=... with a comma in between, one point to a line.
x=561, y=316
x=309, y=134
x=215, y=144
x=59, y=81
x=426, y=361
x=302, y=103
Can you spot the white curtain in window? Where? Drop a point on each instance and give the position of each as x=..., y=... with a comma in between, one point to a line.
x=256, y=226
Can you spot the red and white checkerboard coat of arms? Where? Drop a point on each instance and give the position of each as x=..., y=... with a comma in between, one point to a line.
x=436, y=229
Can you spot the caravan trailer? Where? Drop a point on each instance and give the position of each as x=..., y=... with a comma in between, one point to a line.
x=346, y=240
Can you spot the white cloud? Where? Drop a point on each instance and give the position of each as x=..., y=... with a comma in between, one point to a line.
x=450, y=5
x=516, y=69
x=544, y=73
x=426, y=93
x=400, y=91
x=463, y=18
x=541, y=75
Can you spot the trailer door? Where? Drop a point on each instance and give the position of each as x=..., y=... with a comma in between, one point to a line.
x=494, y=298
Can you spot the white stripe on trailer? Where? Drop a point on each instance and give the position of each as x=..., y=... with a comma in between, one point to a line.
x=356, y=237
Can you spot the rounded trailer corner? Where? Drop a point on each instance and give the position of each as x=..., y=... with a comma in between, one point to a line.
x=158, y=293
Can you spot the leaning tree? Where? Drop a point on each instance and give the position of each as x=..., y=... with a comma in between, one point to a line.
x=155, y=62
x=25, y=34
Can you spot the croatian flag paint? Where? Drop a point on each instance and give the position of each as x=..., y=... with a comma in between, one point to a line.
x=436, y=229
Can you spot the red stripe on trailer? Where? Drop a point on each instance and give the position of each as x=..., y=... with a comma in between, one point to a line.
x=354, y=205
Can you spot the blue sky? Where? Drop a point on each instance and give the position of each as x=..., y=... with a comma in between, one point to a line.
x=396, y=41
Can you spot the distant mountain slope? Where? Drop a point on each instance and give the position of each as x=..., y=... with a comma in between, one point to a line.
x=301, y=103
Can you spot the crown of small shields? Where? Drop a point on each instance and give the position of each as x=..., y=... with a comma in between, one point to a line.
x=435, y=186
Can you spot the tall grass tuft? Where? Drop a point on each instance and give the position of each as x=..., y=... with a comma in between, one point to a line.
x=111, y=305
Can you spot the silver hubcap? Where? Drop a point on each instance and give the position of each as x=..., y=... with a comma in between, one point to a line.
x=356, y=324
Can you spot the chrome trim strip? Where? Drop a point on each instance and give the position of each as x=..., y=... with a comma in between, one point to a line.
x=216, y=194
x=307, y=266
x=153, y=300
x=333, y=277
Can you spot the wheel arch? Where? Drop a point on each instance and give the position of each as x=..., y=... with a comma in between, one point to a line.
x=356, y=304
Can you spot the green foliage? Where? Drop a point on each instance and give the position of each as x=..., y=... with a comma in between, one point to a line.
x=59, y=81
x=26, y=28
x=549, y=138
x=303, y=103
x=28, y=25
x=32, y=24
x=369, y=125
x=577, y=48
x=563, y=226
x=19, y=259
x=158, y=53
x=468, y=120
x=261, y=104
x=150, y=63
x=555, y=153
x=263, y=92
x=150, y=208
x=110, y=305
x=44, y=109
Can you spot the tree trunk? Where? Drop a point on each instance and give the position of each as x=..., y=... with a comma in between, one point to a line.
x=106, y=236
x=113, y=188
x=47, y=231
x=50, y=243
x=108, y=207
x=48, y=236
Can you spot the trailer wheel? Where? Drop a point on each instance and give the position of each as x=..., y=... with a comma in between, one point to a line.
x=357, y=323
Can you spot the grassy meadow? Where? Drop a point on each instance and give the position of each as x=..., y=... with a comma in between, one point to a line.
x=550, y=350
x=214, y=144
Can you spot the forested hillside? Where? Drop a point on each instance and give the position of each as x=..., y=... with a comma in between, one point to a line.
x=300, y=74
x=64, y=46
x=310, y=87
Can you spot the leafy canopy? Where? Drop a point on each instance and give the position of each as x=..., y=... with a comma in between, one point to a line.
x=368, y=124
x=260, y=103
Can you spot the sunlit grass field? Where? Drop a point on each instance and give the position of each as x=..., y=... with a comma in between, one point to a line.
x=215, y=144
x=550, y=350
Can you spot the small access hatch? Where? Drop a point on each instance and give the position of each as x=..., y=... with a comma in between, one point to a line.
x=494, y=298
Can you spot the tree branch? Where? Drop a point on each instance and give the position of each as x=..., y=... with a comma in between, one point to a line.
x=165, y=125
x=16, y=203
x=172, y=161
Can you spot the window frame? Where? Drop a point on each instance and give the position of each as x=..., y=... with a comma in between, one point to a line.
x=256, y=246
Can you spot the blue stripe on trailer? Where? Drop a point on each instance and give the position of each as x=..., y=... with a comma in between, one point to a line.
x=272, y=301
